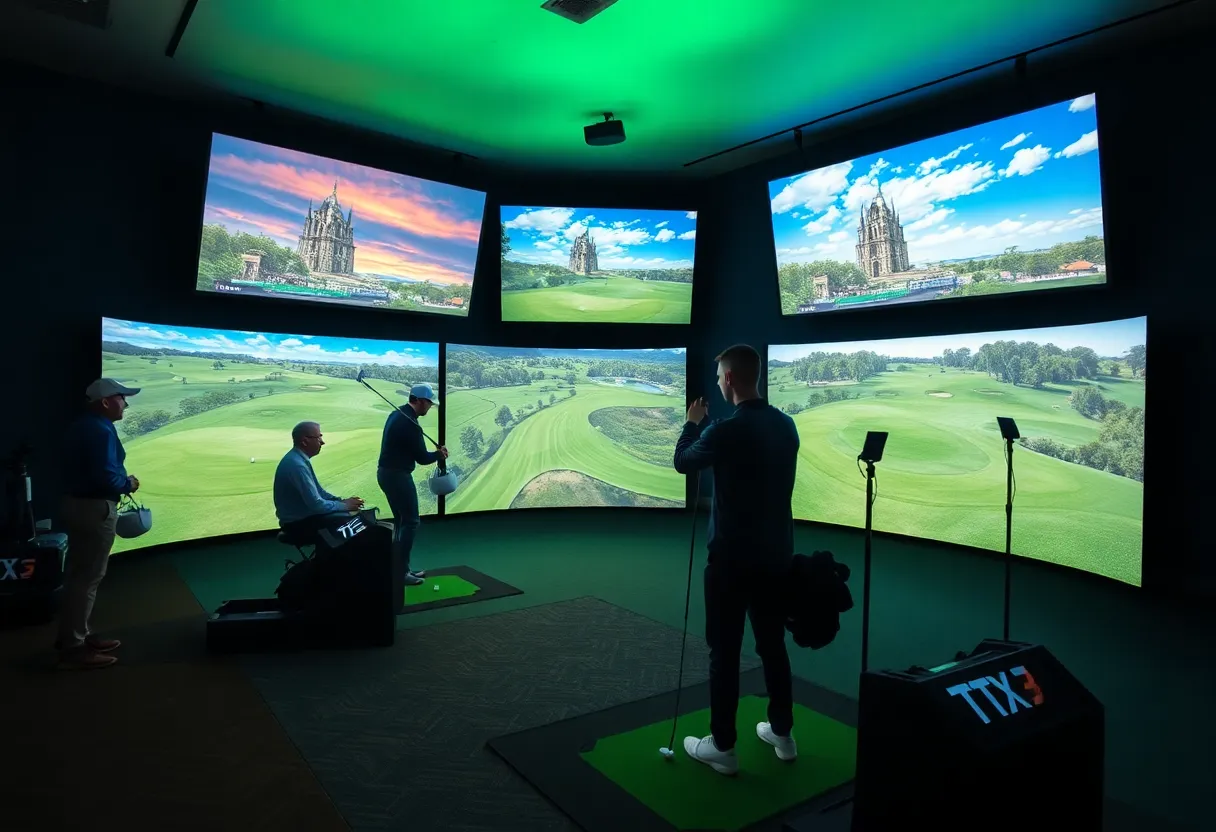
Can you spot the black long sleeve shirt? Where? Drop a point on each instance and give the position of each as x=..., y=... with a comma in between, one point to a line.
x=402, y=446
x=754, y=457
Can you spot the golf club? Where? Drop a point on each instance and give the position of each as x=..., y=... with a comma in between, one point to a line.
x=668, y=752
x=359, y=378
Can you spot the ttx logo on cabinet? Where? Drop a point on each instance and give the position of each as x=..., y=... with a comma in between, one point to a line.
x=998, y=688
x=17, y=569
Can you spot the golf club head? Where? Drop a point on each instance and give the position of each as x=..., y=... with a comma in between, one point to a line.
x=667, y=753
x=359, y=377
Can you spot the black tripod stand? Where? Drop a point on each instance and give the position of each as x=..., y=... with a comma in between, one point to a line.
x=871, y=453
x=1009, y=431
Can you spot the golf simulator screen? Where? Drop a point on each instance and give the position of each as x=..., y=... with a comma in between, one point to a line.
x=1013, y=205
x=1077, y=394
x=603, y=265
x=215, y=412
x=284, y=224
x=533, y=428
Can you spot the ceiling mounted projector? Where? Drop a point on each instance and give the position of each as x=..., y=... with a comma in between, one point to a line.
x=605, y=132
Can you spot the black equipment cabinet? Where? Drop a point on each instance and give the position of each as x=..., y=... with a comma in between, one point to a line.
x=1005, y=737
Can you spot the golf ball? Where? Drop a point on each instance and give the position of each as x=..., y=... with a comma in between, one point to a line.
x=436, y=587
x=251, y=459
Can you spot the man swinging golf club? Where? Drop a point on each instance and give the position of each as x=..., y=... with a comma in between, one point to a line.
x=754, y=455
x=401, y=448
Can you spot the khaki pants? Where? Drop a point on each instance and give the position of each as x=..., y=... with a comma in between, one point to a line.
x=90, y=528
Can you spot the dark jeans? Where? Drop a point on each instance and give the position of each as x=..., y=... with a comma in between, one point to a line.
x=733, y=592
x=398, y=487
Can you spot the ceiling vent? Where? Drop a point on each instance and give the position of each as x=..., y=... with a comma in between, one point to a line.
x=95, y=13
x=580, y=11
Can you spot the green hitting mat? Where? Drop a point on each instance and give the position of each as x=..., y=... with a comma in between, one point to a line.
x=604, y=769
x=454, y=585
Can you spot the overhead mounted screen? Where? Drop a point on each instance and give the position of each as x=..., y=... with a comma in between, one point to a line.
x=1013, y=205
x=284, y=224
x=601, y=265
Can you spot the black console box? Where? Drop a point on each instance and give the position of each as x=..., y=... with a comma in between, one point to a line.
x=31, y=578
x=259, y=624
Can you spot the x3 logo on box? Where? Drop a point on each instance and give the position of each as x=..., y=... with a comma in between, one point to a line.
x=17, y=569
x=1014, y=700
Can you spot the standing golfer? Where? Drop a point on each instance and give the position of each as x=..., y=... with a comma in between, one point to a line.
x=94, y=481
x=754, y=455
x=401, y=448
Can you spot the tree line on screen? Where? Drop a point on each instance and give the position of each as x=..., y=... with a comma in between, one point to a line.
x=472, y=369
x=1091, y=249
x=795, y=286
x=139, y=422
x=220, y=259
x=517, y=275
x=475, y=370
x=1120, y=447
x=220, y=253
x=479, y=369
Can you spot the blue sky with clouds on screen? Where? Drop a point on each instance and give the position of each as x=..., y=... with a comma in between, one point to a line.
x=1030, y=180
x=624, y=238
x=312, y=348
x=1109, y=339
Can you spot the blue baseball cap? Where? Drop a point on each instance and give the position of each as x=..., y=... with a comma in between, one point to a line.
x=424, y=391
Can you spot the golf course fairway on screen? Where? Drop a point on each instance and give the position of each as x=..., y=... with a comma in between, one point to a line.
x=215, y=411
x=532, y=428
x=1077, y=395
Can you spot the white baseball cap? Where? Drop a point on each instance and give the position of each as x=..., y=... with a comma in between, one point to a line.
x=424, y=391
x=103, y=388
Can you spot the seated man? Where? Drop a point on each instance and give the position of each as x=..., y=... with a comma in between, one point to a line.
x=301, y=504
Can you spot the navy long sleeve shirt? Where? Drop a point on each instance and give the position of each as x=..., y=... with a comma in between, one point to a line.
x=754, y=457
x=93, y=460
x=402, y=446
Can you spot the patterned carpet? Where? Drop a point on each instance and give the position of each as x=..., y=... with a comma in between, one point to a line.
x=164, y=740
x=397, y=737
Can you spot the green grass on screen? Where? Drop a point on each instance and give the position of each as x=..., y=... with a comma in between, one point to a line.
x=212, y=473
x=943, y=473
x=602, y=300
x=563, y=438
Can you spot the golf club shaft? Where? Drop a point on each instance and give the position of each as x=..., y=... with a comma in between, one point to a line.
x=442, y=464
x=696, y=506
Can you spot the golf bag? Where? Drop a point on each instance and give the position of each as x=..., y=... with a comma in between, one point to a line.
x=817, y=593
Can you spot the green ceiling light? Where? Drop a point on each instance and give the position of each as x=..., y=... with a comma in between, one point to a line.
x=606, y=132
x=502, y=80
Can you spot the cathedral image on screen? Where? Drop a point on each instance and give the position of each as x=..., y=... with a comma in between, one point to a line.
x=327, y=242
x=596, y=265
x=280, y=223
x=1013, y=205
x=881, y=249
x=582, y=254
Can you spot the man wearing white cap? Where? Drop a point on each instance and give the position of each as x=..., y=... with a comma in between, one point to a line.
x=401, y=448
x=94, y=480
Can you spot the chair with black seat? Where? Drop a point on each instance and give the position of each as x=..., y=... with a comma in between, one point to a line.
x=298, y=540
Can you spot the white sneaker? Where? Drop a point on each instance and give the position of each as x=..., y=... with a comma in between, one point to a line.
x=786, y=748
x=704, y=750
